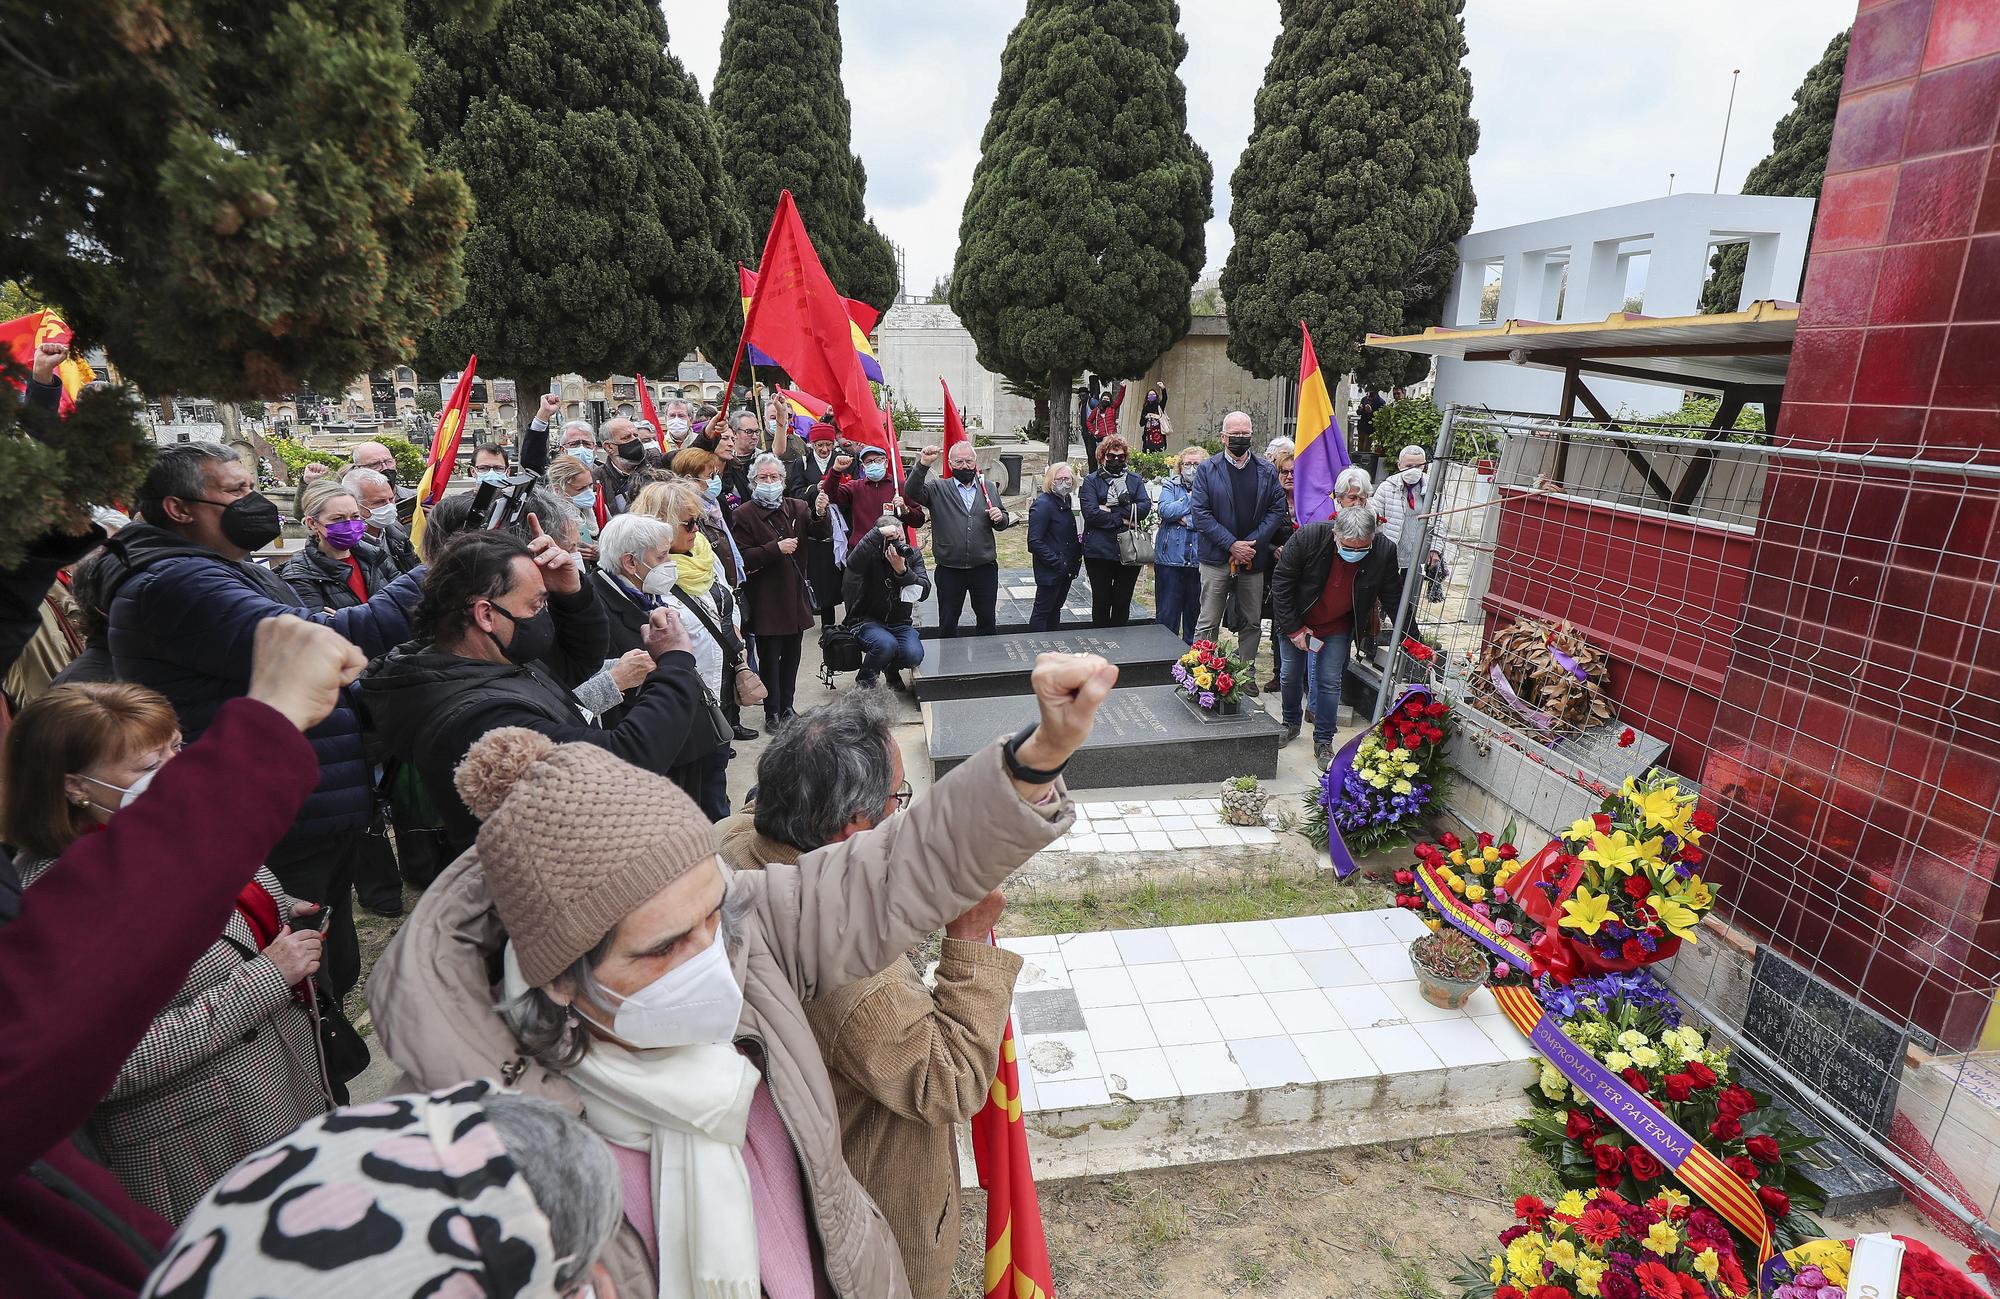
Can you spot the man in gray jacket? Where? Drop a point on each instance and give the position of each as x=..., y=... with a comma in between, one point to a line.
x=965, y=513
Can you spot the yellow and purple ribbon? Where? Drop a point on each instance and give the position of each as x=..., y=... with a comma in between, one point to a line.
x=1336, y=775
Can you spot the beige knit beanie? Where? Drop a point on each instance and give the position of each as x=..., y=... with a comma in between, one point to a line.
x=573, y=840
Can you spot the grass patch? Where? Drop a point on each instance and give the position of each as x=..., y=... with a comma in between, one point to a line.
x=1529, y=1175
x=1162, y=1220
x=1412, y=1281
x=1264, y=895
x=1252, y=1272
x=1440, y=1166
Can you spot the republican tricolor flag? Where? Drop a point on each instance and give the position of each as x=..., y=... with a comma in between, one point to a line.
x=860, y=319
x=1017, y=1254
x=1319, y=451
x=443, y=461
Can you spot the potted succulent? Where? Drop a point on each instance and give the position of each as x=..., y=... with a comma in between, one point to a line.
x=1450, y=967
x=1243, y=801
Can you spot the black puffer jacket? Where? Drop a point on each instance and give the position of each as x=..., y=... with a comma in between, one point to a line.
x=873, y=591
x=183, y=620
x=1300, y=576
x=321, y=580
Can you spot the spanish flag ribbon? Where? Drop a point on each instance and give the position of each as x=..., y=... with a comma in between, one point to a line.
x=1017, y=1253
x=1696, y=1166
x=443, y=459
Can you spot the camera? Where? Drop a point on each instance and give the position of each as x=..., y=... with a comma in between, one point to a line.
x=501, y=504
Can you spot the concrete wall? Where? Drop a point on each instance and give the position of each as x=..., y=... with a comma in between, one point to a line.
x=920, y=343
x=1203, y=385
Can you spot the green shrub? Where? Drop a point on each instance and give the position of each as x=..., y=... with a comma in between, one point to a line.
x=1152, y=465
x=296, y=456
x=1413, y=421
x=410, y=459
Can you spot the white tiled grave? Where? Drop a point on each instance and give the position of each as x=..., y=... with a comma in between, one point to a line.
x=1146, y=1047
x=1157, y=825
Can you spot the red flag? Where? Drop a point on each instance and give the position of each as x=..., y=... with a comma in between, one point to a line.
x=652, y=416
x=1017, y=1253
x=954, y=428
x=443, y=459
x=23, y=335
x=798, y=318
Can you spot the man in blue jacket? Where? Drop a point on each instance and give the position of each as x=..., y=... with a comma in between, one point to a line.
x=1238, y=504
x=185, y=606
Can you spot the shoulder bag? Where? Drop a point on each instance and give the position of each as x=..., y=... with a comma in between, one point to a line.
x=1135, y=544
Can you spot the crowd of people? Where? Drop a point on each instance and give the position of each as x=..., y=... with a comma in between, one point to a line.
x=647, y=1042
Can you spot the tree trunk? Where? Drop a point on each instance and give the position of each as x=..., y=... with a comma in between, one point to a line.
x=528, y=392
x=1059, y=412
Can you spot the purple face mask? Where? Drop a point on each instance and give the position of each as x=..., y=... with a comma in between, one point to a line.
x=346, y=534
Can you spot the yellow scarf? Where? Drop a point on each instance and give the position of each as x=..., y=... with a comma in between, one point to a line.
x=697, y=567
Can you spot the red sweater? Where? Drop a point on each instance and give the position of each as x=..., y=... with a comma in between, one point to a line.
x=863, y=502
x=105, y=940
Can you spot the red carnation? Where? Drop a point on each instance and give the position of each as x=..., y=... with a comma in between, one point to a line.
x=1579, y=1127
x=1548, y=1292
x=1703, y=820
x=1607, y=1157
x=1626, y=738
x=1602, y=821
x=1644, y=1166
x=1776, y=1201
x=1679, y=1086
x=1742, y=1167
x=1451, y=842
x=1638, y=887
x=1406, y=877
x=1634, y=951
x=1531, y=1210
x=1763, y=1149
x=1704, y=1077
x=1725, y=1129
x=1692, y=855
x=1637, y=1079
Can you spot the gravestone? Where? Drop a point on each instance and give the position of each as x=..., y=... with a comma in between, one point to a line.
x=1853, y=1183
x=970, y=666
x=1145, y=735
x=1015, y=605
x=1828, y=1043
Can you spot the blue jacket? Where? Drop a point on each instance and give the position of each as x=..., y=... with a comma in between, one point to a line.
x=183, y=620
x=1052, y=538
x=1100, y=530
x=1176, y=544
x=1215, y=508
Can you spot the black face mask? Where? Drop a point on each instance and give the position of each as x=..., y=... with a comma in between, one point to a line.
x=1237, y=446
x=965, y=476
x=533, y=637
x=249, y=522
x=1115, y=465
x=633, y=452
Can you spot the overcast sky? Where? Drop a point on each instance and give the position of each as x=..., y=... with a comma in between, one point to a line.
x=1581, y=103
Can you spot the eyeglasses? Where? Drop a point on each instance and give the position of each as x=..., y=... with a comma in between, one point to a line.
x=904, y=793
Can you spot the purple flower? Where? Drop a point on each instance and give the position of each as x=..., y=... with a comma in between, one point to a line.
x=1504, y=928
x=1501, y=969
x=1207, y=699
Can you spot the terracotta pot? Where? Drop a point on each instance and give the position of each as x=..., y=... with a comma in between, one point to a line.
x=1451, y=994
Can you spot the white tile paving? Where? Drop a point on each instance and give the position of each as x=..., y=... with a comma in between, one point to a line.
x=1157, y=825
x=1214, y=1010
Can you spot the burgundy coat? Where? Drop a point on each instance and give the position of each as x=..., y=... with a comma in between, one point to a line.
x=863, y=502
x=102, y=944
x=774, y=590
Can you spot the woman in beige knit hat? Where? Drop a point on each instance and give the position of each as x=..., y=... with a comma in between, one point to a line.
x=658, y=994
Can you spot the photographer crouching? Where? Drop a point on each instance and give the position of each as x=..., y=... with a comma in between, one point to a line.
x=885, y=582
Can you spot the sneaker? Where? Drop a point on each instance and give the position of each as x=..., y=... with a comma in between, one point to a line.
x=1290, y=733
x=744, y=733
x=896, y=681
x=1322, y=756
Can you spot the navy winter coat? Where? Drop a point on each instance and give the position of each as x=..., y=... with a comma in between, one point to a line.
x=1215, y=520
x=1052, y=538
x=183, y=620
x=1100, y=530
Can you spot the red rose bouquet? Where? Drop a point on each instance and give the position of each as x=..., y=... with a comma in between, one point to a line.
x=1597, y=1244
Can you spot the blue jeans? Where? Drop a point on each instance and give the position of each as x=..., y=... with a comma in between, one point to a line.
x=886, y=648
x=1177, y=598
x=1328, y=668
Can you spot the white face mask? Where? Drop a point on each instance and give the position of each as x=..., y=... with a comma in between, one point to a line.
x=127, y=793
x=694, y=1004
x=660, y=581
x=676, y=427
x=383, y=515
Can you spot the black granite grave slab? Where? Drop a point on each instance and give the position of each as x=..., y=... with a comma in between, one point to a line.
x=1853, y=1182
x=1829, y=1044
x=968, y=667
x=1015, y=604
x=1144, y=735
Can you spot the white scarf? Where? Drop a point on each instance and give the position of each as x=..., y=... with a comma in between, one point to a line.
x=689, y=1107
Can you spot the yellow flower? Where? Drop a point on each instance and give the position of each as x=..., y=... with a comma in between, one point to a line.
x=1614, y=851
x=1586, y=912
x=1434, y=924
x=1498, y=1272
x=1475, y=893
x=1524, y=1260
x=1457, y=857
x=1707, y=1264
x=1645, y=1057
x=1829, y=1256
x=1490, y=854
x=1581, y=830
x=1632, y=1037
x=1203, y=678
x=1659, y=808
x=1695, y=893
x=1571, y=1205
x=1400, y=787
x=1553, y=1084
x=1617, y=1062
x=1662, y=1239
x=1678, y=918
x=1589, y=1277
x=1563, y=1255
x=1675, y=1198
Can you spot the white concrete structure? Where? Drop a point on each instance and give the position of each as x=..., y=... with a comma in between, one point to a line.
x=1583, y=267
x=919, y=343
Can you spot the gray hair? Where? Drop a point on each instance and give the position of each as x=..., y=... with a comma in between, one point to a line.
x=576, y=423
x=765, y=458
x=569, y=1171
x=1403, y=456
x=676, y=403
x=825, y=768
x=1355, y=523
x=181, y=471
x=1248, y=423
x=1049, y=474
x=1275, y=445
x=630, y=534
x=1350, y=478
x=356, y=479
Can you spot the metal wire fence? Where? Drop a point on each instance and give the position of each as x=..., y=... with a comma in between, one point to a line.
x=1809, y=638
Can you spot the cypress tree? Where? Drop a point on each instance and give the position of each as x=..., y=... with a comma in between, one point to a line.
x=230, y=197
x=1353, y=186
x=607, y=234
x=1082, y=234
x=783, y=119
x=1794, y=168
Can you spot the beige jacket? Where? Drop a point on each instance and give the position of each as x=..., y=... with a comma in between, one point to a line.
x=907, y=1066
x=840, y=915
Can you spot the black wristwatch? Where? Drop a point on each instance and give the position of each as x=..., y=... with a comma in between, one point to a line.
x=1010, y=753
